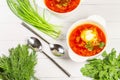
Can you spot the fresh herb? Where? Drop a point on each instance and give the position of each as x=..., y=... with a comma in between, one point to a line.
x=1, y=70
x=63, y=2
x=107, y=68
x=19, y=65
x=101, y=45
x=89, y=46
x=28, y=12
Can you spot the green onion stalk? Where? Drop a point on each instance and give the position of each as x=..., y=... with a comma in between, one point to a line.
x=28, y=13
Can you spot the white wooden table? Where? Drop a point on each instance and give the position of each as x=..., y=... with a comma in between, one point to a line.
x=13, y=33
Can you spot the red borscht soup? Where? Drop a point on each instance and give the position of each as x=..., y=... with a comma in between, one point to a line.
x=62, y=6
x=87, y=39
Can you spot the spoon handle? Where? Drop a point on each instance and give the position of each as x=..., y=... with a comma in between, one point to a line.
x=26, y=26
x=68, y=74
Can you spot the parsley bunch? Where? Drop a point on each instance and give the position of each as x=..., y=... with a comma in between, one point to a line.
x=107, y=68
x=19, y=65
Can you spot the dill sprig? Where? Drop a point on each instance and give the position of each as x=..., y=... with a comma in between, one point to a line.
x=19, y=65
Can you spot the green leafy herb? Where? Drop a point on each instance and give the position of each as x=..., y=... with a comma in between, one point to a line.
x=28, y=12
x=102, y=44
x=19, y=65
x=107, y=68
x=89, y=46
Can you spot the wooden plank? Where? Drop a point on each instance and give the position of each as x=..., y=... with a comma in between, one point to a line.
x=112, y=29
x=45, y=68
x=101, y=2
x=64, y=78
x=16, y=32
x=6, y=15
x=110, y=12
x=13, y=31
x=12, y=34
x=72, y=67
x=89, y=2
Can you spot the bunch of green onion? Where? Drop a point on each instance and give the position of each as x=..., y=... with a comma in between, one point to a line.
x=28, y=13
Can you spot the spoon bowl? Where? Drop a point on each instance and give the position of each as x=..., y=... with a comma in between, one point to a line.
x=37, y=46
x=56, y=49
x=35, y=43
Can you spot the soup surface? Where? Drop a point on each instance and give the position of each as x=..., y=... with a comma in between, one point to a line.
x=62, y=6
x=87, y=39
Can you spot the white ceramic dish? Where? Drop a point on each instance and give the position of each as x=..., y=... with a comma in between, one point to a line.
x=41, y=4
x=95, y=19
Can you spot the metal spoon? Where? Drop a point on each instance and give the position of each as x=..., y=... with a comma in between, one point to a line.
x=36, y=44
x=56, y=49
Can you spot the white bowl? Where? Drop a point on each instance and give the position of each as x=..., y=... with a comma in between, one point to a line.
x=42, y=4
x=92, y=19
